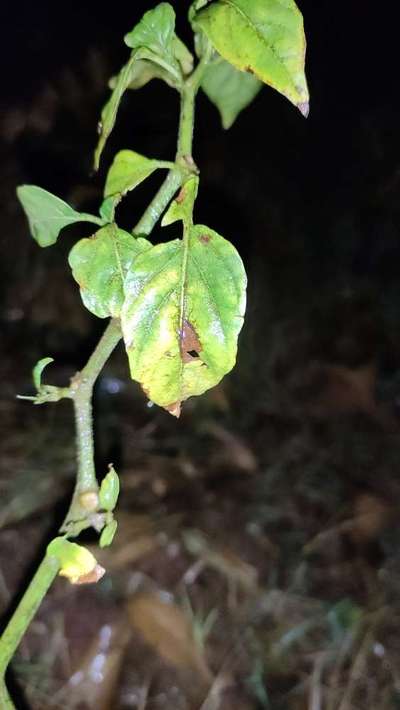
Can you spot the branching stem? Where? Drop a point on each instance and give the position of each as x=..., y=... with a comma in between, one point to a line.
x=83, y=502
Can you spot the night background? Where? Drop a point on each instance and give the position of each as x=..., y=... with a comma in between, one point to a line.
x=257, y=563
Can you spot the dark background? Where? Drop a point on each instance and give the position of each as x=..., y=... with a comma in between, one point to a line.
x=293, y=462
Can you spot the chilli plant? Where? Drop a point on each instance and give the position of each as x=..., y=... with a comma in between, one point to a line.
x=178, y=306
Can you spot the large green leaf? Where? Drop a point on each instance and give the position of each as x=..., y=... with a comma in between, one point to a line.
x=47, y=214
x=128, y=170
x=183, y=311
x=99, y=266
x=262, y=37
x=229, y=89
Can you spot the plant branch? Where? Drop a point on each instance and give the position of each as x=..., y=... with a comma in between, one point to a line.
x=21, y=619
x=85, y=503
x=85, y=498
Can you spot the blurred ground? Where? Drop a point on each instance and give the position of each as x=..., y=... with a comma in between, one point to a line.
x=257, y=561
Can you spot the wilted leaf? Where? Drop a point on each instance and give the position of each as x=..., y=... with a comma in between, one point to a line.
x=165, y=628
x=128, y=170
x=47, y=214
x=263, y=37
x=229, y=89
x=99, y=265
x=109, y=112
x=183, y=311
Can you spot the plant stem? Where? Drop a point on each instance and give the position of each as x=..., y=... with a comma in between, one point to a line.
x=159, y=202
x=81, y=390
x=22, y=617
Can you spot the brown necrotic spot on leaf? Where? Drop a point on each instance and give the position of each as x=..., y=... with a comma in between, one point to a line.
x=190, y=345
x=205, y=238
x=181, y=196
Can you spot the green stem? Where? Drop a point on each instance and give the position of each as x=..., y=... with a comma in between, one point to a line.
x=21, y=619
x=81, y=390
x=159, y=202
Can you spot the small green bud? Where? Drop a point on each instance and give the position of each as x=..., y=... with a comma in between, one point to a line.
x=108, y=533
x=109, y=490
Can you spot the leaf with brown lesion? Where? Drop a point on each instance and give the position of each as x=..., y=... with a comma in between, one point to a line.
x=183, y=311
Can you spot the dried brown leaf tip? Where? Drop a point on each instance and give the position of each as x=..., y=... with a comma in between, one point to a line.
x=92, y=577
x=174, y=409
x=189, y=343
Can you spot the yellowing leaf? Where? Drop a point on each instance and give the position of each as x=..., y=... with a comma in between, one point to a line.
x=183, y=311
x=262, y=37
x=99, y=265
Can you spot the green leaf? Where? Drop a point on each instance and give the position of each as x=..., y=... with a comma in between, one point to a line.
x=38, y=369
x=184, y=308
x=154, y=31
x=183, y=56
x=108, y=534
x=99, y=265
x=47, y=214
x=109, y=490
x=182, y=207
x=143, y=71
x=107, y=208
x=109, y=112
x=128, y=170
x=263, y=37
x=229, y=89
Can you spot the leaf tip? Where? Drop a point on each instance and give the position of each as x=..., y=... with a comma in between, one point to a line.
x=174, y=409
x=304, y=108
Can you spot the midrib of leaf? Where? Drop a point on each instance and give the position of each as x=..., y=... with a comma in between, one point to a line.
x=253, y=27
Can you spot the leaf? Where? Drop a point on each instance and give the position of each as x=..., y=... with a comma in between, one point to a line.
x=109, y=490
x=38, y=369
x=109, y=112
x=229, y=89
x=166, y=628
x=262, y=37
x=182, y=207
x=128, y=170
x=183, y=311
x=155, y=30
x=107, y=209
x=143, y=71
x=182, y=54
x=47, y=214
x=99, y=265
